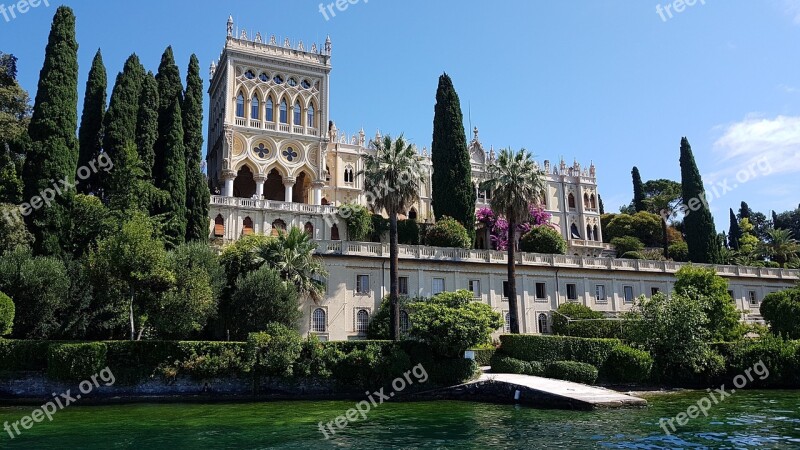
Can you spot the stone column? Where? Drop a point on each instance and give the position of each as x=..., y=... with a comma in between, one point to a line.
x=260, y=179
x=288, y=184
x=317, y=193
x=228, y=176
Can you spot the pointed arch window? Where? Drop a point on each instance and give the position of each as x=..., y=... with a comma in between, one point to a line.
x=284, y=112
x=571, y=201
x=574, y=232
x=269, y=110
x=589, y=233
x=298, y=114
x=310, y=122
x=255, y=108
x=596, y=233
x=593, y=202
x=240, y=105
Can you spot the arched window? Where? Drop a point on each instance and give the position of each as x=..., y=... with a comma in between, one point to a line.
x=269, y=110
x=586, y=203
x=596, y=233
x=240, y=105
x=543, y=324
x=298, y=114
x=405, y=323
x=349, y=175
x=574, y=232
x=219, y=226
x=255, y=109
x=362, y=321
x=593, y=202
x=247, y=226
x=335, y=233
x=412, y=215
x=310, y=122
x=507, y=326
x=571, y=201
x=589, y=234
x=319, y=322
x=284, y=118
x=278, y=227
x=309, y=229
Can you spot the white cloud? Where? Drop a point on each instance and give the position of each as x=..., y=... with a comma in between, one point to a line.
x=792, y=9
x=788, y=89
x=773, y=144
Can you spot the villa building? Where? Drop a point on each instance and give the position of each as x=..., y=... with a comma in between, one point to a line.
x=277, y=160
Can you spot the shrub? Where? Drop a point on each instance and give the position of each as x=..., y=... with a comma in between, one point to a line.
x=710, y=290
x=366, y=364
x=506, y=364
x=6, y=314
x=627, y=365
x=408, y=232
x=448, y=232
x=781, y=310
x=627, y=244
x=483, y=356
x=771, y=358
x=543, y=239
x=358, y=220
x=643, y=225
x=632, y=255
x=262, y=297
x=17, y=355
x=204, y=360
x=572, y=311
x=557, y=348
x=275, y=350
x=679, y=251
x=441, y=371
x=572, y=371
x=75, y=362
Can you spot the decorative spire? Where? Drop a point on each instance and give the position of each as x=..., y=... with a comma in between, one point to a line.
x=328, y=45
x=475, y=132
x=362, y=137
x=378, y=136
x=230, y=25
x=212, y=69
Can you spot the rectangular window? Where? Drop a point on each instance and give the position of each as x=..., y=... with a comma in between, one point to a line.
x=505, y=290
x=437, y=286
x=541, y=291
x=753, y=298
x=628, y=290
x=475, y=288
x=654, y=291
x=572, y=291
x=362, y=284
x=402, y=285
x=600, y=293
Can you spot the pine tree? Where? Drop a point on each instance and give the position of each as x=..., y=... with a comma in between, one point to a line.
x=198, y=195
x=120, y=120
x=90, y=135
x=147, y=125
x=701, y=234
x=453, y=191
x=53, y=151
x=638, y=191
x=171, y=135
x=170, y=90
x=734, y=233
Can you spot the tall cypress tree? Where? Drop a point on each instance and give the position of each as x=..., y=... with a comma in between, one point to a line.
x=638, y=190
x=170, y=90
x=600, y=202
x=90, y=135
x=171, y=135
x=53, y=151
x=147, y=125
x=453, y=191
x=120, y=120
x=734, y=232
x=198, y=195
x=701, y=234
x=744, y=211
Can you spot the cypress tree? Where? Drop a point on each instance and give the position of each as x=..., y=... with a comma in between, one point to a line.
x=638, y=191
x=120, y=120
x=198, y=195
x=600, y=202
x=453, y=191
x=90, y=135
x=775, y=220
x=170, y=90
x=171, y=135
x=53, y=152
x=147, y=125
x=744, y=211
x=701, y=234
x=734, y=233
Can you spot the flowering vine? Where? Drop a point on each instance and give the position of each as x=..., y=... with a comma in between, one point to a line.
x=498, y=226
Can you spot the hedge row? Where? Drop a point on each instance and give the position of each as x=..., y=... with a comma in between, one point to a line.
x=483, y=356
x=768, y=362
x=560, y=370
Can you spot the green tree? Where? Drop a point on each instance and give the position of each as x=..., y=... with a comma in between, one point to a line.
x=638, y=191
x=781, y=310
x=543, y=239
x=781, y=247
x=645, y=226
x=173, y=180
x=92, y=222
x=147, y=125
x=699, y=229
x=453, y=191
x=627, y=244
x=6, y=315
x=358, y=220
x=291, y=254
x=135, y=258
x=261, y=298
x=198, y=196
x=734, y=232
x=12, y=228
x=14, y=120
x=53, y=150
x=662, y=197
x=452, y=322
x=711, y=291
x=448, y=232
x=90, y=134
x=394, y=175
x=513, y=180
x=748, y=243
x=170, y=94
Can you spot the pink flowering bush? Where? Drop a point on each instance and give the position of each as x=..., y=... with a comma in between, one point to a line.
x=498, y=227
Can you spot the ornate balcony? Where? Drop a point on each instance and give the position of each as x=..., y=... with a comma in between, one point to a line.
x=271, y=205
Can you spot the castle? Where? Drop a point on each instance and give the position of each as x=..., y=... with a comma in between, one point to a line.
x=276, y=160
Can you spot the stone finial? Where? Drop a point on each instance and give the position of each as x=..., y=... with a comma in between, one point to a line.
x=212, y=69
x=491, y=153
x=259, y=39
x=230, y=25
x=243, y=36
x=301, y=47
x=362, y=137
x=333, y=132
x=592, y=169
x=272, y=40
x=314, y=48
x=328, y=45
x=378, y=137
x=287, y=43
x=475, y=133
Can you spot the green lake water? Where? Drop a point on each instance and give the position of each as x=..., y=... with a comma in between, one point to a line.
x=753, y=419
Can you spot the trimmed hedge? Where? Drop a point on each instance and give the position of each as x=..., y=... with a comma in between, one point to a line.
x=572, y=371
x=558, y=348
x=769, y=355
x=483, y=356
x=506, y=364
x=75, y=362
x=627, y=365
x=18, y=355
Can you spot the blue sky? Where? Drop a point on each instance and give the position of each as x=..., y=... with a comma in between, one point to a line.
x=606, y=81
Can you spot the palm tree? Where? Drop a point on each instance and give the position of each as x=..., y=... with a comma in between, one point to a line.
x=393, y=176
x=514, y=181
x=292, y=255
x=781, y=247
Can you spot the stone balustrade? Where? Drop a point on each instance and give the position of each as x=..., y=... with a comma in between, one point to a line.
x=273, y=205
